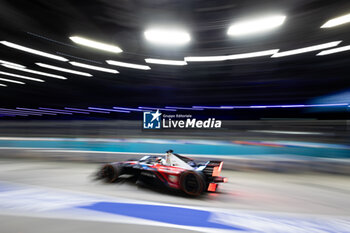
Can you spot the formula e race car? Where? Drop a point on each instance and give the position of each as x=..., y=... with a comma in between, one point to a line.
x=171, y=171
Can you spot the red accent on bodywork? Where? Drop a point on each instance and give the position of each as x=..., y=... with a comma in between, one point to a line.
x=167, y=171
x=212, y=187
x=217, y=170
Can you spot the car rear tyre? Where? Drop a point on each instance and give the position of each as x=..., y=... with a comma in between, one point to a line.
x=192, y=183
x=111, y=172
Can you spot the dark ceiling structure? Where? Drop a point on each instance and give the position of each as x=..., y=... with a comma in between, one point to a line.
x=46, y=25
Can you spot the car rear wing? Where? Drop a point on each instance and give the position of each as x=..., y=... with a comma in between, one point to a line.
x=213, y=168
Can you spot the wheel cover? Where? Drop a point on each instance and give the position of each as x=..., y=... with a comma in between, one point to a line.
x=191, y=184
x=108, y=172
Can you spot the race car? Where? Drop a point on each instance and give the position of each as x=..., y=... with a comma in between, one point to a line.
x=171, y=171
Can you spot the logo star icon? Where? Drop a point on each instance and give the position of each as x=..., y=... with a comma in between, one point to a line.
x=156, y=115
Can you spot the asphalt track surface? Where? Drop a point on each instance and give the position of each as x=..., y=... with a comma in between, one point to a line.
x=259, y=192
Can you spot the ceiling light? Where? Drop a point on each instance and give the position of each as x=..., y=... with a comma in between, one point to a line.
x=285, y=132
x=184, y=108
x=206, y=58
x=128, y=65
x=79, y=109
x=206, y=107
x=110, y=110
x=5, y=113
x=232, y=57
x=33, y=51
x=164, y=109
x=35, y=72
x=65, y=111
x=256, y=25
x=21, y=76
x=337, y=21
x=167, y=37
x=253, y=54
x=129, y=109
x=93, y=67
x=11, y=63
x=3, y=85
x=45, y=111
x=335, y=50
x=63, y=69
x=95, y=44
x=307, y=49
x=11, y=81
x=165, y=62
x=14, y=111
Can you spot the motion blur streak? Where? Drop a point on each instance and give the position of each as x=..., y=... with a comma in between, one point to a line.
x=110, y=110
x=95, y=44
x=233, y=56
x=336, y=50
x=33, y=51
x=167, y=36
x=254, y=91
x=256, y=25
x=307, y=49
x=337, y=21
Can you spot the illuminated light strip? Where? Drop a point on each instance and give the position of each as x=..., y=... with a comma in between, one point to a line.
x=165, y=62
x=33, y=51
x=3, y=85
x=107, y=109
x=335, y=50
x=63, y=69
x=277, y=106
x=60, y=110
x=164, y=109
x=327, y=105
x=17, y=114
x=11, y=113
x=207, y=107
x=130, y=109
x=165, y=36
x=79, y=109
x=35, y=72
x=6, y=115
x=14, y=111
x=252, y=54
x=45, y=111
x=21, y=76
x=337, y=21
x=11, y=81
x=285, y=132
x=233, y=56
x=96, y=44
x=206, y=58
x=271, y=106
x=91, y=67
x=128, y=65
x=184, y=108
x=307, y=49
x=11, y=63
x=257, y=25
x=258, y=106
x=293, y=106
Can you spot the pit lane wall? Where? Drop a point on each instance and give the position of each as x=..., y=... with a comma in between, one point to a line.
x=275, y=156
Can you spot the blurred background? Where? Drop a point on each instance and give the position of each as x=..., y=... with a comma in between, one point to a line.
x=77, y=76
